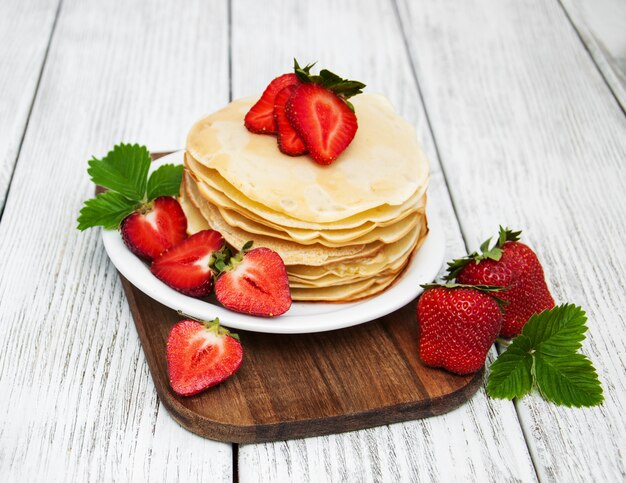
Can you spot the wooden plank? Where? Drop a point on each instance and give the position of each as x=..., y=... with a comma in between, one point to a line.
x=601, y=25
x=25, y=30
x=78, y=403
x=530, y=136
x=362, y=40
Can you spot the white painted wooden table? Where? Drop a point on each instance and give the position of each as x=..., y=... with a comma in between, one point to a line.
x=523, y=125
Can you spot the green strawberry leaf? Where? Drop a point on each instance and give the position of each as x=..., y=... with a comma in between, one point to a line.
x=165, y=181
x=545, y=353
x=124, y=169
x=511, y=374
x=569, y=380
x=557, y=331
x=107, y=210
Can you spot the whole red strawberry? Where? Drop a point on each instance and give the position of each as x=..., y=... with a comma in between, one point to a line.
x=201, y=355
x=457, y=326
x=514, y=266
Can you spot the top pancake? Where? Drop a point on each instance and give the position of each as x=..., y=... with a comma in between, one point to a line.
x=384, y=164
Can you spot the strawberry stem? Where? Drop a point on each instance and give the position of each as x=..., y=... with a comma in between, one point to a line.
x=187, y=316
x=211, y=325
x=481, y=288
x=503, y=342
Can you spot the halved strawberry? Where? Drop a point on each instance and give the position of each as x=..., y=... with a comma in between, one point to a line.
x=323, y=121
x=201, y=355
x=255, y=283
x=288, y=140
x=185, y=267
x=260, y=118
x=154, y=228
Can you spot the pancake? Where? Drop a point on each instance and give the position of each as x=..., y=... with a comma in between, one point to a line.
x=389, y=258
x=383, y=166
x=388, y=234
x=344, y=293
x=291, y=253
x=222, y=193
x=195, y=220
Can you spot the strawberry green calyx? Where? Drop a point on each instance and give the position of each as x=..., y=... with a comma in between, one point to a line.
x=220, y=259
x=215, y=327
x=506, y=235
x=343, y=88
x=211, y=325
x=145, y=207
x=486, y=252
x=223, y=261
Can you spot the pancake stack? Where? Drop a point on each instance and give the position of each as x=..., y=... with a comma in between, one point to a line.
x=345, y=231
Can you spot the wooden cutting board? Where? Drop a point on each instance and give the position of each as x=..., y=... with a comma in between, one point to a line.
x=295, y=386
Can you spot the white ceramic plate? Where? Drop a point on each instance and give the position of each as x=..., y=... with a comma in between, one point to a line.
x=301, y=317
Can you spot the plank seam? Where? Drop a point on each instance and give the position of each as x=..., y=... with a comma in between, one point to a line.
x=413, y=70
x=229, y=32
x=235, y=453
x=30, y=109
x=229, y=20
x=445, y=179
x=590, y=54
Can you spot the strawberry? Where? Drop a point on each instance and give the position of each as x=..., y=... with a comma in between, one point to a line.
x=322, y=120
x=457, y=326
x=154, y=227
x=514, y=266
x=260, y=118
x=288, y=140
x=201, y=355
x=254, y=282
x=186, y=267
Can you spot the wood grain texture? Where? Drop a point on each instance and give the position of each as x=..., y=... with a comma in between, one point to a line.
x=25, y=30
x=601, y=25
x=362, y=39
x=77, y=402
x=294, y=386
x=530, y=136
